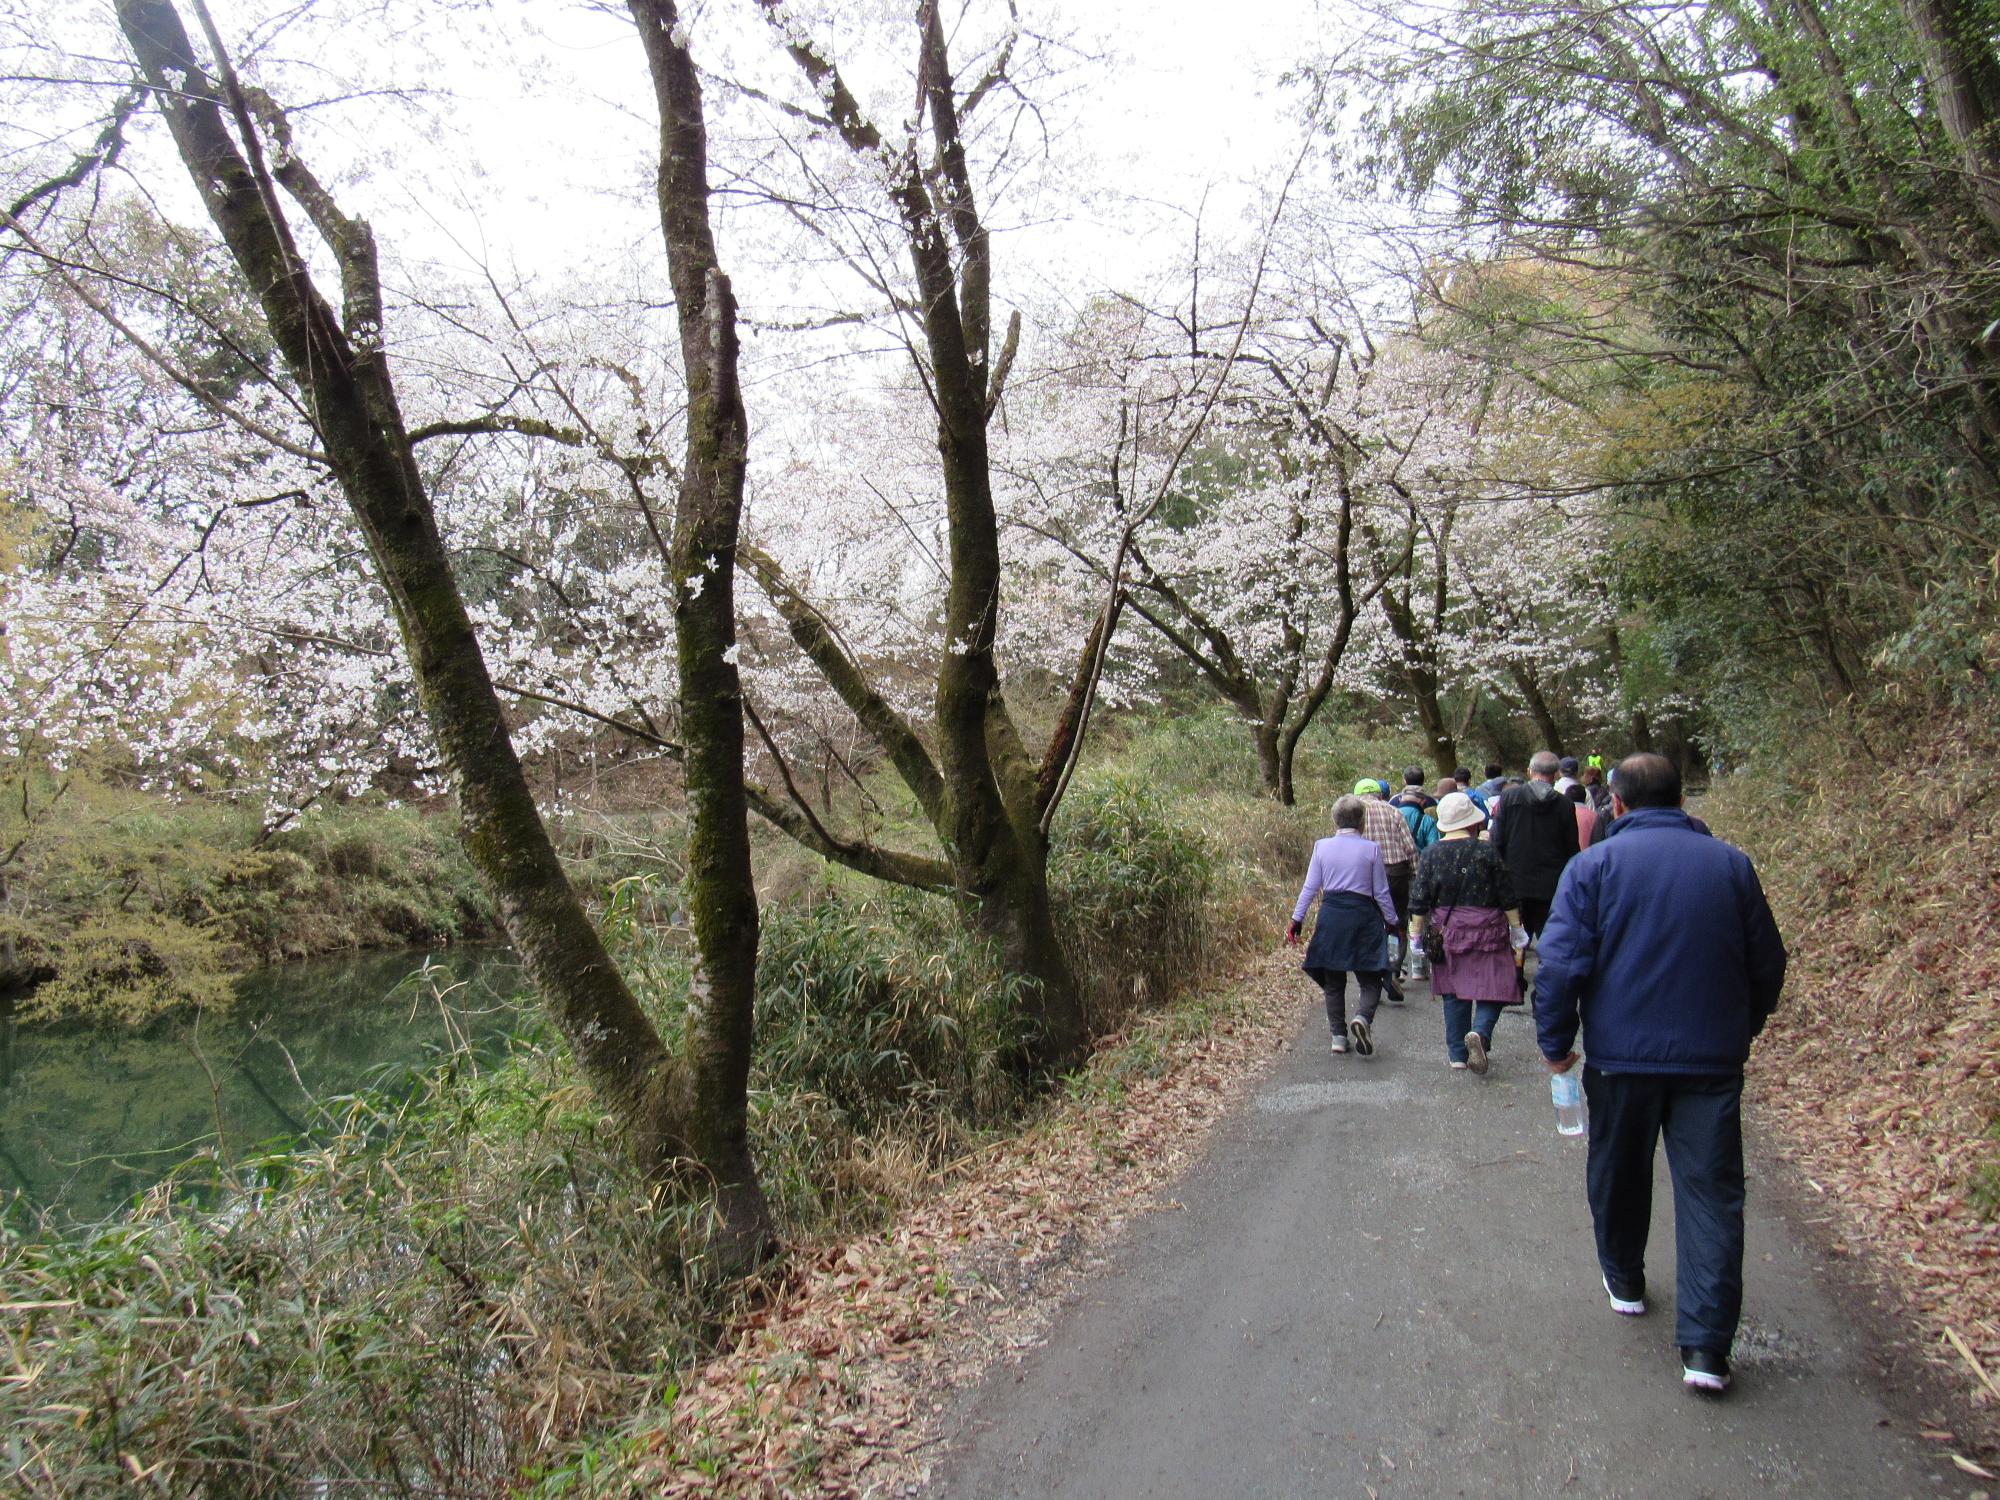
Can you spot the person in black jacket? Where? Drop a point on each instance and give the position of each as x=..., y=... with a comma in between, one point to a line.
x=1534, y=828
x=1663, y=949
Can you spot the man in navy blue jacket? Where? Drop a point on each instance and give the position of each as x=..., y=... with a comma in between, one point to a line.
x=1662, y=945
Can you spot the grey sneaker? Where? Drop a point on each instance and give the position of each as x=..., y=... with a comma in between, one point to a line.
x=1362, y=1038
x=1339, y=1045
x=1475, y=1051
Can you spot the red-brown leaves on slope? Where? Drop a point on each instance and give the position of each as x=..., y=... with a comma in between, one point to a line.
x=1881, y=1069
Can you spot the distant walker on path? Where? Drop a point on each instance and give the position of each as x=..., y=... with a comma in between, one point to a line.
x=1535, y=830
x=1662, y=946
x=1464, y=892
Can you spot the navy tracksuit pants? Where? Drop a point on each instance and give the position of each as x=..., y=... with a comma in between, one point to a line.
x=1702, y=1120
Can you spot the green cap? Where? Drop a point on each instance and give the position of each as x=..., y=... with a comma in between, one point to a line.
x=1367, y=786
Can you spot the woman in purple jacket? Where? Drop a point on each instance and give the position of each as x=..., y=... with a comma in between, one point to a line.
x=1356, y=915
x=1464, y=891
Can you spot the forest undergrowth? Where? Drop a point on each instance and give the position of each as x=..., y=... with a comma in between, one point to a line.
x=1880, y=1071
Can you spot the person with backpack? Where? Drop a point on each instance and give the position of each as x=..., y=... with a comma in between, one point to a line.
x=1595, y=788
x=1461, y=778
x=1413, y=789
x=1419, y=809
x=1568, y=767
x=1495, y=783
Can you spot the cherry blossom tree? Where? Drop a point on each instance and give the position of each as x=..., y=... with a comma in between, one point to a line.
x=898, y=203
x=1501, y=602
x=1240, y=475
x=330, y=384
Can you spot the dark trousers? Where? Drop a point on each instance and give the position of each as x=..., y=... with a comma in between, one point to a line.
x=1399, y=897
x=1400, y=877
x=1535, y=913
x=1334, y=987
x=1702, y=1120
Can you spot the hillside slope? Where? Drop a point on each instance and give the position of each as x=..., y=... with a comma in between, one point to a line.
x=1881, y=1070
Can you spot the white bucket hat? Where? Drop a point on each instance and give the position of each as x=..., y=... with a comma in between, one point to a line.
x=1458, y=811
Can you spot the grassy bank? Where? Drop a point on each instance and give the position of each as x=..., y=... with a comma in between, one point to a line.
x=1881, y=1069
x=119, y=904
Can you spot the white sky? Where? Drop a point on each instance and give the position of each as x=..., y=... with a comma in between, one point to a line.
x=1197, y=100
x=531, y=142
x=1185, y=110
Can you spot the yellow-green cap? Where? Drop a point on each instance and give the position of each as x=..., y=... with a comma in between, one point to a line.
x=1367, y=786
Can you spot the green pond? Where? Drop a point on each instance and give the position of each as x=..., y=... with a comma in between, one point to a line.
x=91, y=1117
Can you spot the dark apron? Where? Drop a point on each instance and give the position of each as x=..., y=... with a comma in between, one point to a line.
x=1348, y=937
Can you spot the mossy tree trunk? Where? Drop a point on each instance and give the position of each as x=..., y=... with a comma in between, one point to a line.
x=1963, y=72
x=1416, y=611
x=1530, y=685
x=987, y=799
x=1637, y=724
x=339, y=365
x=721, y=894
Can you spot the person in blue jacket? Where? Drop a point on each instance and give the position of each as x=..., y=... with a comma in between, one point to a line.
x=1463, y=777
x=1662, y=947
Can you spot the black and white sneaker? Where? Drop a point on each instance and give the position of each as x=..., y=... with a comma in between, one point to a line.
x=1339, y=1046
x=1475, y=1051
x=1704, y=1370
x=1627, y=1297
x=1360, y=1038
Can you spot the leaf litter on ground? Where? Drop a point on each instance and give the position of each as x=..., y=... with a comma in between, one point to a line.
x=1880, y=1071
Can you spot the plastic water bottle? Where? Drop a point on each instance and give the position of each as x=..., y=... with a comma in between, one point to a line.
x=1567, y=1093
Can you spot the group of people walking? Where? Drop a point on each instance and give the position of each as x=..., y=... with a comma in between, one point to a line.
x=1456, y=884
x=1653, y=939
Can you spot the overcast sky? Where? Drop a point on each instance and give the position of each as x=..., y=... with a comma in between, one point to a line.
x=1185, y=110
x=526, y=141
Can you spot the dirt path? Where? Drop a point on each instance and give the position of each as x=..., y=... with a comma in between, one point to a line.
x=1382, y=1284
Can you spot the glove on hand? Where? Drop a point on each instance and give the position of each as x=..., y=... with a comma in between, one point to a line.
x=1518, y=936
x=1292, y=936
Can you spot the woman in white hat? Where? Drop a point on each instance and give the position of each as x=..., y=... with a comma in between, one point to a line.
x=1465, y=896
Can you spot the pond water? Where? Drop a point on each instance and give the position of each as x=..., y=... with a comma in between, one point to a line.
x=90, y=1117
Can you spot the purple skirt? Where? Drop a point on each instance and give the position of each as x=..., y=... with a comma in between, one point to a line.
x=1479, y=961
